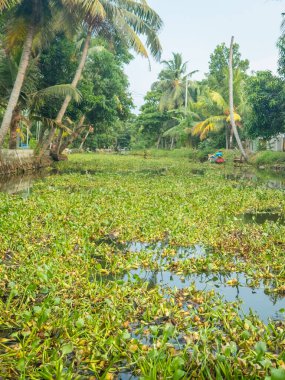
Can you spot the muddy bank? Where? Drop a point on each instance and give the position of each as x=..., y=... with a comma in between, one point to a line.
x=21, y=161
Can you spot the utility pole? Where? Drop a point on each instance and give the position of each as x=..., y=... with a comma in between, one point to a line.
x=231, y=93
x=186, y=95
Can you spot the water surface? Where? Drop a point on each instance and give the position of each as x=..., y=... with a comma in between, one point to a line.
x=264, y=305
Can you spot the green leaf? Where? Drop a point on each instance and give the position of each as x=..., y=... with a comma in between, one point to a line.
x=178, y=374
x=80, y=323
x=178, y=362
x=260, y=348
x=278, y=374
x=21, y=365
x=245, y=335
x=67, y=348
x=57, y=301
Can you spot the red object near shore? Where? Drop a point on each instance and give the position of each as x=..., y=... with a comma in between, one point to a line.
x=220, y=160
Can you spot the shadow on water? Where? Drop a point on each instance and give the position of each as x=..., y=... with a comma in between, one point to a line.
x=199, y=172
x=263, y=217
x=255, y=299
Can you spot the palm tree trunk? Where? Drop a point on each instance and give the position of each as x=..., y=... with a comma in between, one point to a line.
x=14, y=97
x=158, y=142
x=231, y=142
x=59, y=141
x=67, y=100
x=76, y=78
x=13, y=128
x=74, y=135
x=231, y=91
x=84, y=139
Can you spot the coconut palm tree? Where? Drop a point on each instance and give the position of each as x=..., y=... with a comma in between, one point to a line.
x=173, y=83
x=127, y=18
x=231, y=100
x=30, y=24
x=213, y=103
x=31, y=97
x=27, y=19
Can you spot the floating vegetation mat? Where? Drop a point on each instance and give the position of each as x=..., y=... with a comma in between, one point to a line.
x=130, y=268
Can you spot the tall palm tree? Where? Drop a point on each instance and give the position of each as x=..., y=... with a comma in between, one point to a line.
x=31, y=97
x=28, y=18
x=231, y=92
x=173, y=83
x=129, y=19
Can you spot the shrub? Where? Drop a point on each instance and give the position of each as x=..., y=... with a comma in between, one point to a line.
x=268, y=158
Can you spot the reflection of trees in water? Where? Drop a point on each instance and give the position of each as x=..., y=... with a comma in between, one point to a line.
x=269, y=178
x=20, y=183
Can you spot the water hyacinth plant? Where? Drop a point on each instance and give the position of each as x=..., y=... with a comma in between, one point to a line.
x=132, y=267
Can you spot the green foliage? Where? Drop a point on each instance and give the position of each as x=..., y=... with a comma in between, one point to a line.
x=110, y=89
x=219, y=63
x=171, y=83
x=58, y=62
x=71, y=287
x=268, y=158
x=266, y=96
x=152, y=122
x=106, y=100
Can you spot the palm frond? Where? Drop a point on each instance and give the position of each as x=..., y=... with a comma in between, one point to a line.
x=218, y=100
x=237, y=118
x=62, y=90
x=8, y=4
x=212, y=124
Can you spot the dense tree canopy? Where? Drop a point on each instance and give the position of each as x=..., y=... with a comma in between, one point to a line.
x=62, y=70
x=266, y=100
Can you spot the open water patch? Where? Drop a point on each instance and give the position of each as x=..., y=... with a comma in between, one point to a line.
x=21, y=184
x=270, y=180
x=264, y=305
x=181, y=252
x=263, y=217
x=198, y=172
x=126, y=376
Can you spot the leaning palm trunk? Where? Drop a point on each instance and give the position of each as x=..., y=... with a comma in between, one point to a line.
x=231, y=91
x=73, y=136
x=14, y=97
x=68, y=98
x=14, y=127
x=84, y=139
x=59, y=141
x=76, y=78
x=158, y=142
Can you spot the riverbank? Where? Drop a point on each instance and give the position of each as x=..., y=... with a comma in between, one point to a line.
x=20, y=161
x=269, y=160
x=264, y=159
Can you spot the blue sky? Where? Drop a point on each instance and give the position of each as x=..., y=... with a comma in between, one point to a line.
x=195, y=27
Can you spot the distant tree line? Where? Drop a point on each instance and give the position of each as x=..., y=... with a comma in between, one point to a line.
x=179, y=111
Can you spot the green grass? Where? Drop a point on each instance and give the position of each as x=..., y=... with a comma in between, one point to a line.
x=268, y=158
x=65, y=311
x=195, y=155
